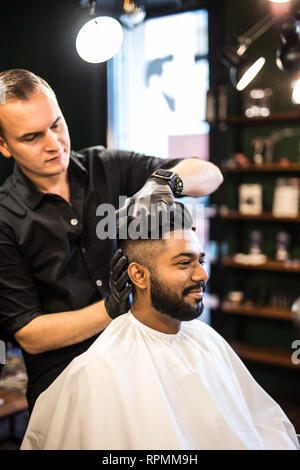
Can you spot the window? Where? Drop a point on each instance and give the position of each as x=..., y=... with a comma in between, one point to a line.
x=157, y=87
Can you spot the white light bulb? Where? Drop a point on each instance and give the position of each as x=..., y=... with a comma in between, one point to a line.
x=296, y=92
x=250, y=74
x=99, y=39
x=264, y=111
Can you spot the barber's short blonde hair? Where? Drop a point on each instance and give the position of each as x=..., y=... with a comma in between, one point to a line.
x=18, y=84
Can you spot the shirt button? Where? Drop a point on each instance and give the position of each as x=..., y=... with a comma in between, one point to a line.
x=99, y=282
x=83, y=250
x=74, y=222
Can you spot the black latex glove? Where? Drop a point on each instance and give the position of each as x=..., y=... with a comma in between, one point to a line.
x=155, y=197
x=117, y=303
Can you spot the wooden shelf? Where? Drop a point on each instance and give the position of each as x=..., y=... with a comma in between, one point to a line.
x=13, y=402
x=264, y=216
x=254, y=311
x=264, y=355
x=242, y=313
x=270, y=265
x=263, y=168
x=272, y=118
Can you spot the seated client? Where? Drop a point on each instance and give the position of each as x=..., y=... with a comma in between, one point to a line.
x=158, y=377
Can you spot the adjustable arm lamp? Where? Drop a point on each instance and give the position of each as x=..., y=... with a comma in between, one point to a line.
x=246, y=39
x=288, y=54
x=244, y=69
x=100, y=38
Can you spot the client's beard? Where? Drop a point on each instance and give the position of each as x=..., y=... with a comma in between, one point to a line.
x=172, y=304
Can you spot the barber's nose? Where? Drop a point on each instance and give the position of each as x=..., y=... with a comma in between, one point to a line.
x=51, y=141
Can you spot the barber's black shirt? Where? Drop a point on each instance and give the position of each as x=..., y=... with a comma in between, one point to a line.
x=51, y=259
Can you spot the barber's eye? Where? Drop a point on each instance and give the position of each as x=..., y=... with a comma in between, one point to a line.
x=30, y=139
x=202, y=261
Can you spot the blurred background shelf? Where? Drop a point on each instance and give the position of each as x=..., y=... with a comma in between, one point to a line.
x=256, y=311
x=276, y=117
x=264, y=216
x=271, y=356
x=270, y=265
x=264, y=167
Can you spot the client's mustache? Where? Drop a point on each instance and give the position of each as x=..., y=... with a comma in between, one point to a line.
x=199, y=285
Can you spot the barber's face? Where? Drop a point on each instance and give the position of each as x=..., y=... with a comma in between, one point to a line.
x=36, y=135
x=178, y=282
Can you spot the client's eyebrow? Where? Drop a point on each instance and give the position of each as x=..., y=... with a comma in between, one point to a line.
x=189, y=254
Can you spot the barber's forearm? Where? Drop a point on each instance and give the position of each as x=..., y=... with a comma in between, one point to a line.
x=56, y=330
x=200, y=177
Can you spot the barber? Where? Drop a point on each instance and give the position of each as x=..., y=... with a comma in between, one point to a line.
x=57, y=292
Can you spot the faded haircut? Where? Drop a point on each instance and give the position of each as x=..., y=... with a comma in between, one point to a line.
x=145, y=251
x=18, y=84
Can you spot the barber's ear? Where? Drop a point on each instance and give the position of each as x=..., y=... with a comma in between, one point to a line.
x=4, y=149
x=139, y=275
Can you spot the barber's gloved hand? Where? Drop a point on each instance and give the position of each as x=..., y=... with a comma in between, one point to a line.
x=156, y=195
x=117, y=303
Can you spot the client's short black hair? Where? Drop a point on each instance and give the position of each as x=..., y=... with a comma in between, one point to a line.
x=145, y=249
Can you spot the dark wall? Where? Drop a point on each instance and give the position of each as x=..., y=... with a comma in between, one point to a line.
x=40, y=36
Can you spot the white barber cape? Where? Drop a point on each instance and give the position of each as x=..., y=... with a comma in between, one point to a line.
x=138, y=388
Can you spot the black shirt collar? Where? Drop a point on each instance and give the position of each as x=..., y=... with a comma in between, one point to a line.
x=28, y=191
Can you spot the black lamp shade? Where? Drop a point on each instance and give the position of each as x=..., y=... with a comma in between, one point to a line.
x=230, y=58
x=288, y=58
x=242, y=69
x=288, y=54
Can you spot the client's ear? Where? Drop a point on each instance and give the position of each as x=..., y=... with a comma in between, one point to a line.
x=139, y=275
